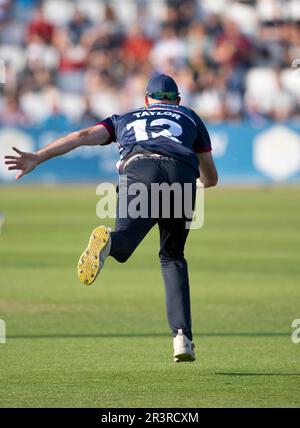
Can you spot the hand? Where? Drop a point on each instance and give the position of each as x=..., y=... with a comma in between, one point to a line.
x=25, y=162
x=199, y=184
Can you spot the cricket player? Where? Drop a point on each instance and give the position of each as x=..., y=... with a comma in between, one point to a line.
x=162, y=142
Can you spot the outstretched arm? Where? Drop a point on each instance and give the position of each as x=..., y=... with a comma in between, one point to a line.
x=208, y=171
x=26, y=162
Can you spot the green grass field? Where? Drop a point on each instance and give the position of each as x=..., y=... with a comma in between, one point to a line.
x=109, y=345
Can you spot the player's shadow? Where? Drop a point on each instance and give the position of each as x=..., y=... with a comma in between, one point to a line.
x=258, y=374
x=143, y=335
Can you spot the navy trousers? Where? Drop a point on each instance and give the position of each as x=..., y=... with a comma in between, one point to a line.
x=129, y=232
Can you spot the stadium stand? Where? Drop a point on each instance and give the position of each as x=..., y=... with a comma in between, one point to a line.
x=90, y=58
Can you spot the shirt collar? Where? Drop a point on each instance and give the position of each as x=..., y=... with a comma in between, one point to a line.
x=162, y=105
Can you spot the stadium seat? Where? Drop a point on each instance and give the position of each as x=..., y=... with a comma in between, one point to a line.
x=14, y=55
x=156, y=10
x=59, y=12
x=48, y=56
x=72, y=105
x=13, y=34
x=283, y=103
x=290, y=80
x=126, y=12
x=216, y=6
x=208, y=103
x=93, y=9
x=294, y=10
x=34, y=106
x=261, y=81
x=103, y=103
x=245, y=17
x=261, y=85
x=71, y=81
x=270, y=10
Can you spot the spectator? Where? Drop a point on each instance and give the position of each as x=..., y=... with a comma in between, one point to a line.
x=220, y=64
x=11, y=113
x=72, y=57
x=78, y=26
x=39, y=26
x=168, y=47
x=4, y=10
x=232, y=47
x=136, y=47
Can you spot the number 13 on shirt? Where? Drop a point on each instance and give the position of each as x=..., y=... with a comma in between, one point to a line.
x=139, y=126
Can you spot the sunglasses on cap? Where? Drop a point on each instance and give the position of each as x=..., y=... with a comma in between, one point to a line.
x=161, y=95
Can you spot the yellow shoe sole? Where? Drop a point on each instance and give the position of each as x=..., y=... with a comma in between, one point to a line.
x=90, y=264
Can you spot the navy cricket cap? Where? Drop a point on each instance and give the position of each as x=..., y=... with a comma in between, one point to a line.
x=162, y=87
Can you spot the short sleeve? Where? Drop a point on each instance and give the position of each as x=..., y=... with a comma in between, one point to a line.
x=109, y=124
x=202, y=143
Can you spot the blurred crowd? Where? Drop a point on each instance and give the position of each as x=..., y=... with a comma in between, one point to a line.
x=80, y=61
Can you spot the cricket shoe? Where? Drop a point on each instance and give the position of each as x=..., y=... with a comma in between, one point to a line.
x=183, y=348
x=92, y=259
